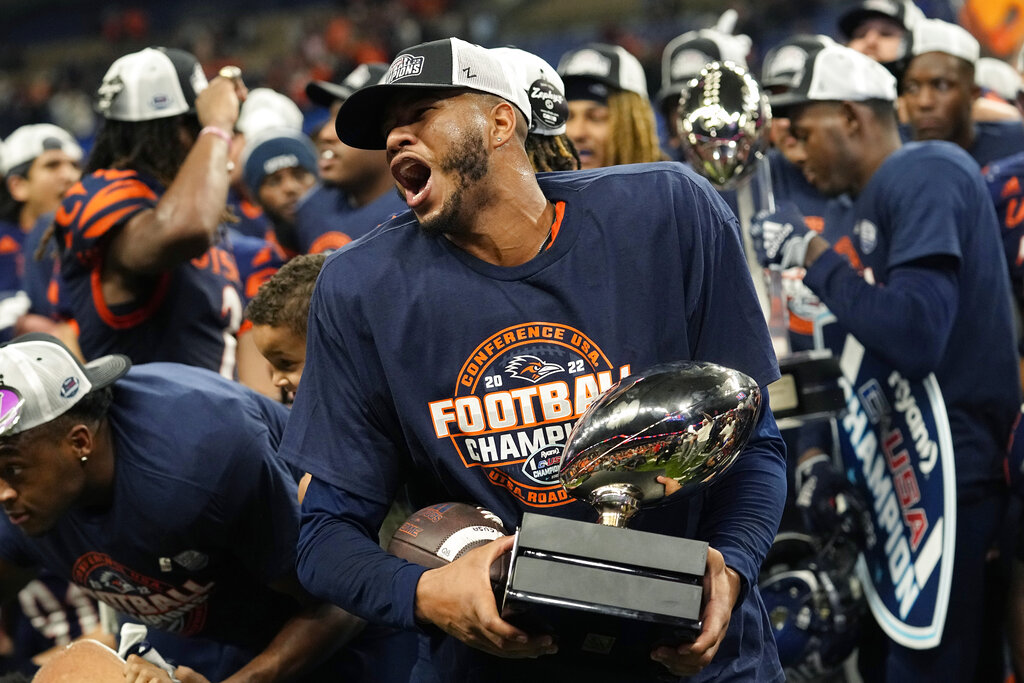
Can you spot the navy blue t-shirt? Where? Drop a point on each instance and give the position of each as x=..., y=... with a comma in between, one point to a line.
x=928, y=203
x=201, y=521
x=317, y=217
x=992, y=140
x=421, y=357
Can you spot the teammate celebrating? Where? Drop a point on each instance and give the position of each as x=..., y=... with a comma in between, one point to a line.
x=138, y=235
x=915, y=275
x=157, y=490
x=507, y=258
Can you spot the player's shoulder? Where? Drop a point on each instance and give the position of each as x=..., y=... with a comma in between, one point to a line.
x=1002, y=169
x=104, y=191
x=918, y=159
x=1011, y=132
x=628, y=174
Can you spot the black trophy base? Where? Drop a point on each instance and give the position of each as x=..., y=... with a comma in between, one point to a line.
x=604, y=592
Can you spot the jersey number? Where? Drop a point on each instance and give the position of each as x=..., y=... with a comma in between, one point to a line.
x=231, y=308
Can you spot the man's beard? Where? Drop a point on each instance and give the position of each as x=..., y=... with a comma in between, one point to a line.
x=467, y=161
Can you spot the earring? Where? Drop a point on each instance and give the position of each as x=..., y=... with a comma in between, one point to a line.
x=84, y=459
x=499, y=139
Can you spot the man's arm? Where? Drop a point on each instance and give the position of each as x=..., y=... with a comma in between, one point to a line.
x=305, y=640
x=184, y=222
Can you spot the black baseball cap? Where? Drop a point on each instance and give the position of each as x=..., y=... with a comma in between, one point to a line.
x=449, y=64
x=326, y=93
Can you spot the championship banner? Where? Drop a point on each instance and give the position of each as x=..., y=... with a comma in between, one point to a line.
x=896, y=447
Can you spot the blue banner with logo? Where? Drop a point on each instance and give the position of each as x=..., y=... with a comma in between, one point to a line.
x=896, y=447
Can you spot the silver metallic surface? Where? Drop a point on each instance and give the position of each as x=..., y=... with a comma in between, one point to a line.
x=686, y=420
x=723, y=120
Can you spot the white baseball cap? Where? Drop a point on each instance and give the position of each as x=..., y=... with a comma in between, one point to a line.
x=543, y=85
x=783, y=65
x=935, y=35
x=154, y=83
x=448, y=64
x=611, y=65
x=28, y=142
x=40, y=380
x=265, y=108
x=999, y=77
x=838, y=74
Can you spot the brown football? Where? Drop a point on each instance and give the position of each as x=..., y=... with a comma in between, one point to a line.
x=439, y=534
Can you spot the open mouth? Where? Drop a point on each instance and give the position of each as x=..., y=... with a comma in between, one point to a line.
x=414, y=177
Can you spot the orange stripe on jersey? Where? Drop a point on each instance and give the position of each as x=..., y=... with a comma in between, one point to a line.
x=1010, y=187
x=815, y=223
x=136, y=317
x=109, y=196
x=73, y=324
x=800, y=325
x=329, y=241
x=557, y=224
x=9, y=245
x=100, y=227
x=250, y=210
x=53, y=292
x=257, y=280
x=245, y=327
x=64, y=218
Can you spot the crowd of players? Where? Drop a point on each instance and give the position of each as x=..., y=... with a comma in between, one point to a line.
x=192, y=233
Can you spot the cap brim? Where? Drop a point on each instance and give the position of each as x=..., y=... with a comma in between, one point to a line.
x=360, y=119
x=671, y=91
x=849, y=22
x=786, y=101
x=106, y=370
x=325, y=93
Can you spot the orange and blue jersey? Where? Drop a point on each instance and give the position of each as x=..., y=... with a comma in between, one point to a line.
x=1004, y=179
x=252, y=221
x=317, y=236
x=188, y=314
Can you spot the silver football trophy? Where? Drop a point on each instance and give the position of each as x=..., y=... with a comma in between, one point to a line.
x=724, y=119
x=603, y=589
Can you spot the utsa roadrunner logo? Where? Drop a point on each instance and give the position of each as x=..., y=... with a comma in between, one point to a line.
x=156, y=603
x=515, y=402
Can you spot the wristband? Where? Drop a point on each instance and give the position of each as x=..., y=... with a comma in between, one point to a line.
x=219, y=132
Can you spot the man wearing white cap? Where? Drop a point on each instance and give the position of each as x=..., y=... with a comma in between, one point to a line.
x=494, y=267
x=157, y=490
x=915, y=275
x=142, y=268
x=39, y=163
x=938, y=90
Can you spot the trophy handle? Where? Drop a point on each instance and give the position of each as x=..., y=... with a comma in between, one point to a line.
x=615, y=503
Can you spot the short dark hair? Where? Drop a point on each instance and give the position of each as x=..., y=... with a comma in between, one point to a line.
x=93, y=407
x=283, y=300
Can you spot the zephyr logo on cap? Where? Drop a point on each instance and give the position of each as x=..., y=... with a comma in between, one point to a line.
x=548, y=107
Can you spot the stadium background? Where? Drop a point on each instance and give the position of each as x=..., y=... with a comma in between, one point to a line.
x=54, y=52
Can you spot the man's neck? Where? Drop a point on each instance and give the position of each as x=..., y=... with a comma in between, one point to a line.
x=510, y=229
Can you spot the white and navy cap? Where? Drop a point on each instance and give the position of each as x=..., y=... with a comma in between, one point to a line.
x=685, y=56
x=838, y=74
x=609, y=65
x=783, y=65
x=999, y=77
x=543, y=85
x=25, y=144
x=449, y=64
x=155, y=83
x=265, y=108
x=935, y=35
x=325, y=93
x=40, y=380
x=903, y=12
x=273, y=149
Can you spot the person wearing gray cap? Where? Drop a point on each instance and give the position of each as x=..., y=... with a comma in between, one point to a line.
x=354, y=193
x=493, y=269
x=938, y=91
x=156, y=489
x=914, y=277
